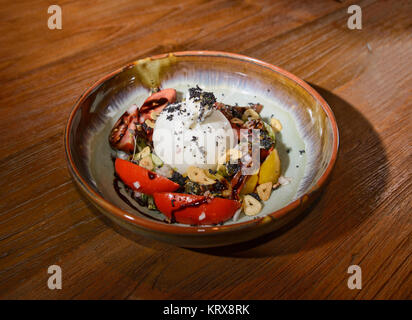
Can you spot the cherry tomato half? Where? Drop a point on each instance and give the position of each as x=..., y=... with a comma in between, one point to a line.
x=141, y=179
x=195, y=210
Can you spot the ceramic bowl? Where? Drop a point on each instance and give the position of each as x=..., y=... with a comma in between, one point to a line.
x=307, y=144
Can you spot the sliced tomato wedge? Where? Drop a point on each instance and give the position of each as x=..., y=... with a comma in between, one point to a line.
x=122, y=135
x=195, y=210
x=141, y=179
x=127, y=142
x=156, y=102
x=237, y=183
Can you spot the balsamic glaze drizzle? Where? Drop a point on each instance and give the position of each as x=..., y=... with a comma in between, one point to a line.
x=127, y=201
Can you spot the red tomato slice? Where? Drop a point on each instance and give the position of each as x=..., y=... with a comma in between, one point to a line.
x=156, y=102
x=141, y=179
x=127, y=142
x=122, y=137
x=195, y=210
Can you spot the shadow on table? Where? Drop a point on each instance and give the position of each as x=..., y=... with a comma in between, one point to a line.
x=345, y=202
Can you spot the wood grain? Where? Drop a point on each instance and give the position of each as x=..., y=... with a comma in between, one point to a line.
x=363, y=216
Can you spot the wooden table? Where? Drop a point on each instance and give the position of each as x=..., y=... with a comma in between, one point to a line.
x=363, y=217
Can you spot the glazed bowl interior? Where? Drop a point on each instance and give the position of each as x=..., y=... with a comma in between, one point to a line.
x=307, y=144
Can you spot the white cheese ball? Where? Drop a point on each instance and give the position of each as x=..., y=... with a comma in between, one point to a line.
x=181, y=139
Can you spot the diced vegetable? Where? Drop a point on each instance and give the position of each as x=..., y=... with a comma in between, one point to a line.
x=156, y=160
x=147, y=163
x=150, y=203
x=143, y=153
x=141, y=198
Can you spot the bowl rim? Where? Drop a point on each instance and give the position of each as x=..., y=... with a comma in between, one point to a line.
x=160, y=226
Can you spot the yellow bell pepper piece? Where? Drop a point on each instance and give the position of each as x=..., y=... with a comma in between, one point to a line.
x=270, y=168
x=250, y=184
